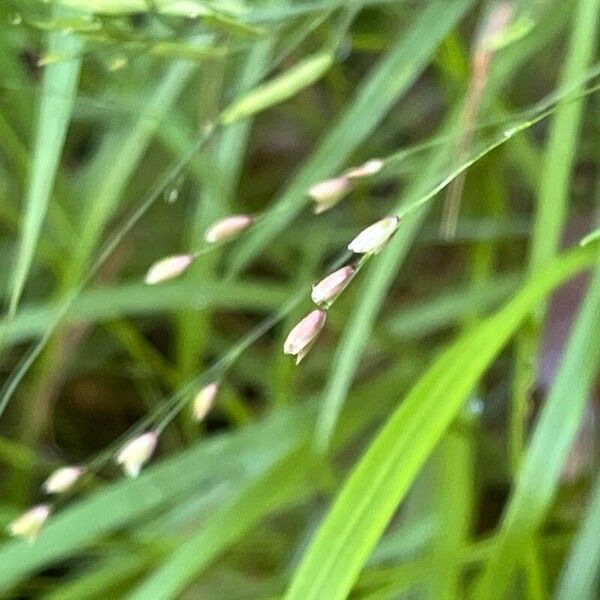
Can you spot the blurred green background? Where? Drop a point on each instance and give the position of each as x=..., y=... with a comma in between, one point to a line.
x=440, y=439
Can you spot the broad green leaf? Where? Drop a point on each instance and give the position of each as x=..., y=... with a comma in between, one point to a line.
x=379, y=482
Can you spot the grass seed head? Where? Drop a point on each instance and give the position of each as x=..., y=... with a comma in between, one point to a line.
x=168, y=268
x=62, y=480
x=136, y=453
x=373, y=238
x=30, y=523
x=227, y=228
x=304, y=333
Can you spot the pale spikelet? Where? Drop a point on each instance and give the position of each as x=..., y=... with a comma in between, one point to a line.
x=204, y=400
x=227, y=228
x=327, y=289
x=328, y=193
x=304, y=334
x=374, y=237
x=168, y=268
x=300, y=356
x=136, y=453
x=29, y=524
x=371, y=167
x=62, y=480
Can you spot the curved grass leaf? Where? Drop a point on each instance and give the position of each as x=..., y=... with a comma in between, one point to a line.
x=238, y=514
x=59, y=89
x=278, y=89
x=377, y=485
x=134, y=299
x=552, y=206
x=540, y=473
x=580, y=574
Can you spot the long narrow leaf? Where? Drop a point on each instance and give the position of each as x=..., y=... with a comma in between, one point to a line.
x=59, y=89
x=542, y=465
x=375, y=488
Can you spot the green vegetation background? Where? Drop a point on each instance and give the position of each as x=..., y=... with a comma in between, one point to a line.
x=440, y=439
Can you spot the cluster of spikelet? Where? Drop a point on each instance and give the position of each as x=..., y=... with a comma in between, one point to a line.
x=134, y=454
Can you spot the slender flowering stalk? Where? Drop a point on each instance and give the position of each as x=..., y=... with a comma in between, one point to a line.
x=136, y=453
x=330, y=287
x=227, y=228
x=302, y=336
x=62, y=480
x=328, y=193
x=371, y=167
x=168, y=268
x=373, y=238
x=29, y=524
x=204, y=401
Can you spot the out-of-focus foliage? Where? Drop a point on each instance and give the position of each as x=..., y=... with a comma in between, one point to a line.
x=439, y=439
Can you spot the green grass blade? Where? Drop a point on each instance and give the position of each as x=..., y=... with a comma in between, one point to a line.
x=102, y=577
x=547, y=452
x=132, y=299
x=432, y=315
x=129, y=147
x=376, y=486
x=562, y=144
x=59, y=89
x=580, y=574
x=278, y=89
x=238, y=514
x=552, y=206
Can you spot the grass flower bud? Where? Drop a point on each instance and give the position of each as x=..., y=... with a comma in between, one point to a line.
x=29, y=524
x=136, y=453
x=62, y=480
x=168, y=268
x=227, y=228
x=371, y=167
x=204, y=400
x=300, y=356
x=374, y=237
x=328, y=193
x=304, y=334
x=327, y=289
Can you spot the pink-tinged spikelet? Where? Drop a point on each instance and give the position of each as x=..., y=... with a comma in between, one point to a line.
x=373, y=238
x=62, y=480
x=136, y=453
x=304, y=334
x=227, y=228
x=204, y=400
x=29, y=524
x=326, y=194
x=328, y=288
x=168, y=268
x=371, y=167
